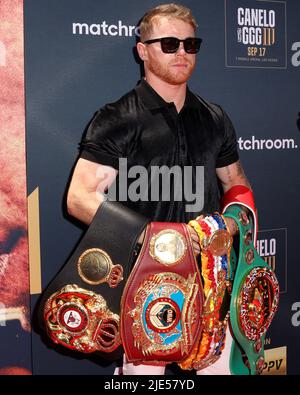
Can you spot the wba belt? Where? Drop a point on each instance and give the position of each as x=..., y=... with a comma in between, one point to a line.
x=163, y=298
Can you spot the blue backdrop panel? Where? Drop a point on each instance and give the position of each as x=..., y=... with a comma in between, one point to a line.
x=79, y=55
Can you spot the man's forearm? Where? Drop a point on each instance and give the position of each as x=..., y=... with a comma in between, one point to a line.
x=83, y=208
x=232, y=175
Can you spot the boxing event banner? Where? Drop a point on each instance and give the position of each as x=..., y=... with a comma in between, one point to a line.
x=15, y=337
x=256, y=33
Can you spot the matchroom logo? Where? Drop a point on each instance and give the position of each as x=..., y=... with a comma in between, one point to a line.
x=255, y=33
x=272, y=247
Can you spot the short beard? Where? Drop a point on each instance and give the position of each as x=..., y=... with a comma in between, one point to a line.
x=170, y=77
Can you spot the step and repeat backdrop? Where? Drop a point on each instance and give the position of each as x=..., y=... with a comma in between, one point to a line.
x=60, y=61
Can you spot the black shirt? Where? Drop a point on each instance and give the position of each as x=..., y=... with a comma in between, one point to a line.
x=149, y=132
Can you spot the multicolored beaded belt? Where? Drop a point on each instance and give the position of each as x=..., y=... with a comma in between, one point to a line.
x=215, y=242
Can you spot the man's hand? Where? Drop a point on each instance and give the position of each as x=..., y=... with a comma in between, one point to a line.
x=193, y=234
x=195, y=240
x=232, y=226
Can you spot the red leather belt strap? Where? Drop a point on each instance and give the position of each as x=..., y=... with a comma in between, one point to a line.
x=243, y=196
x=162, y=302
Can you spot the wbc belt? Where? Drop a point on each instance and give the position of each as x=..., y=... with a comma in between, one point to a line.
x=162, y=301
x=254, y=300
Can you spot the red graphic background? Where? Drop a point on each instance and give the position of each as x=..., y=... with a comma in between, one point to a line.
x=14, y=271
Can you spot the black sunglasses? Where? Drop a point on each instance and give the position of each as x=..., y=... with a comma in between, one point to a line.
x=171, y=44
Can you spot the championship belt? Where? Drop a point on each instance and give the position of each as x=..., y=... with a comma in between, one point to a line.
x=254, y=300
x=216, y=272
x=163, y=298
x=243, y=196
x=81, y=306
x=80, y=320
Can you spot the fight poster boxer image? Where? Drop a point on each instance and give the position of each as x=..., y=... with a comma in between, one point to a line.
x=14, y=272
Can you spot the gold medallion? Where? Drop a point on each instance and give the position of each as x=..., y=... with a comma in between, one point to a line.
x=249, y=256
x=260, y=365
x=95, y=267
x=80, y=320
x=219, y=243
x=243, y=218
x=168, y=247
x=258, y=346
x=248, y=237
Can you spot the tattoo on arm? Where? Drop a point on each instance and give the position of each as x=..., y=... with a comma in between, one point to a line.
x=241, y=173
x=240, y=170
x=228, y=173
x=233, y=173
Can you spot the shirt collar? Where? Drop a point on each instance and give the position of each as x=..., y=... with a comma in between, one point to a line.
x=154, y=101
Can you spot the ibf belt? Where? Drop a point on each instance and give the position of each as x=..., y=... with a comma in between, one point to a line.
x=163, y=298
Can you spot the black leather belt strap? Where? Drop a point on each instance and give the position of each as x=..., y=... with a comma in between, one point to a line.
x=115, y=230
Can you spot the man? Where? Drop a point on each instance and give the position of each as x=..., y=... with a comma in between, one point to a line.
x=160, y=123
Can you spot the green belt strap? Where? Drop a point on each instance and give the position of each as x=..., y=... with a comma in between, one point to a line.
x=254, y=300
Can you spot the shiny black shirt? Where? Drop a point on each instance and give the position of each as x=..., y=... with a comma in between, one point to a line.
x=148, y=131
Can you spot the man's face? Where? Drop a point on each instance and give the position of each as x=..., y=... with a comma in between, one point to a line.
x=173, y=68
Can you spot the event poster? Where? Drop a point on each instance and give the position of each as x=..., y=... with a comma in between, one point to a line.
x=14, y=270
